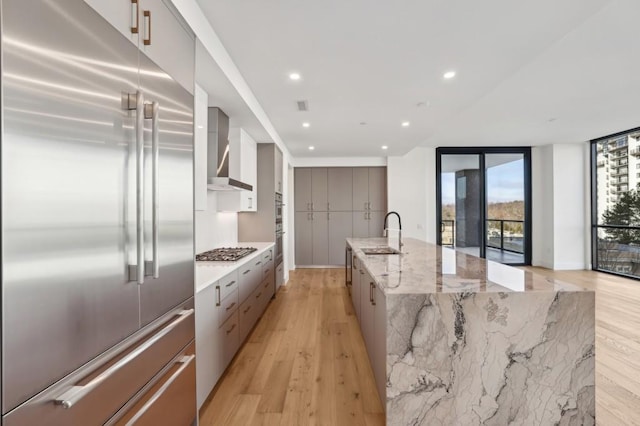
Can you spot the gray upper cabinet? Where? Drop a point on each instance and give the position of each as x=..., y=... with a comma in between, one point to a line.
x=340, y=189
x=125, y=16
x=279, y=171
x=360, y=188
x=302, y=189
x=319, y=190
x=377, y=188
x=370, y=188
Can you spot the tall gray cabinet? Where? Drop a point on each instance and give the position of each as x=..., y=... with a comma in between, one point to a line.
x=335, y=203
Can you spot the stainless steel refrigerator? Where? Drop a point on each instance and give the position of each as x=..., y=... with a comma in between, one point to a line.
x=97, y=225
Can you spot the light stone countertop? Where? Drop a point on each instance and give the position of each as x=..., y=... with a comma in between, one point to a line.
x=424, y=268
x=208, y=273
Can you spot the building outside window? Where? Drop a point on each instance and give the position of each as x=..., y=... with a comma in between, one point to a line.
x=616, y=208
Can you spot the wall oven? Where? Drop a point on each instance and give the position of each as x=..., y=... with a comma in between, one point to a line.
x=279, y=234
x=279, y=207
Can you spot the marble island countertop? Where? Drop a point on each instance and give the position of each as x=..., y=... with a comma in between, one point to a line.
x=424, y=268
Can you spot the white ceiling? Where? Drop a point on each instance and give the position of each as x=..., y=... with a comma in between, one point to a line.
x=519, y=64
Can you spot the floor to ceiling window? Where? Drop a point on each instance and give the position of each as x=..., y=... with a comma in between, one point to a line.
x=483, y=197
x=615, y=176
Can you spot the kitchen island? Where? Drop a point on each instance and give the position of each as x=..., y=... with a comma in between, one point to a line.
x=454, y=339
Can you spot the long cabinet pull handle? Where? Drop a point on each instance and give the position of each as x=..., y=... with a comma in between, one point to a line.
x=73, y=395
x=246, y=272
x=230, y=284
x=135, y=101
x=147, y=27
x=218, y=292
x=246, y=310
x=185, y=361
x=151, y=112
x=231, y=329
x=231, y=306
x=373, y=294
x=258, y=295
x=135, y=16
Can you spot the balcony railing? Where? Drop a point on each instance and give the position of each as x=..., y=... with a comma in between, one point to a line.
x=601, y=163
x=635, y=151
x=506, y=234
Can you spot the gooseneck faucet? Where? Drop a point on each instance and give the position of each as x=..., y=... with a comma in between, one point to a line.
x=386, y=229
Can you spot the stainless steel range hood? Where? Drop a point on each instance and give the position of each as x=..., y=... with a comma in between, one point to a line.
x=218, y=152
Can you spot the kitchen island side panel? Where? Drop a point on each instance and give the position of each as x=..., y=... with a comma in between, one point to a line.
x=491, y=358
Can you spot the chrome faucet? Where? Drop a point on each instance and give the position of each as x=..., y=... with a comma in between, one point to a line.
x=386, y=230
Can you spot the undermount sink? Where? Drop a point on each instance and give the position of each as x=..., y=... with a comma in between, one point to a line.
x=379, y=250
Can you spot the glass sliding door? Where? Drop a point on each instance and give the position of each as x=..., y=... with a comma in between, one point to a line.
x=505, y=239
x=461, y=207
x=483, y=198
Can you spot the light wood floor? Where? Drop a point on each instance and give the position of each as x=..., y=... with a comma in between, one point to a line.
x=305, y=362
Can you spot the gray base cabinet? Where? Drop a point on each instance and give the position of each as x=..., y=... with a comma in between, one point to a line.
x=320, y=238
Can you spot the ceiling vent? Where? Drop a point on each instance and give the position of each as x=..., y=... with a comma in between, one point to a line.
x=303, y=105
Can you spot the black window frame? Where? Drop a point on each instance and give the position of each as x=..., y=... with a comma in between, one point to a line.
x=594, y=204
x=481, y=151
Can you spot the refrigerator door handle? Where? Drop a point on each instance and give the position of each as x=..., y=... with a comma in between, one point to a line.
x=135, y=101
x=73, y=395
x=151, y=111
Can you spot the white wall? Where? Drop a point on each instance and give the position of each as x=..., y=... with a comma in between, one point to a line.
x=569, y=198
x=560, y=200
x=542, y=206
x=411, y=192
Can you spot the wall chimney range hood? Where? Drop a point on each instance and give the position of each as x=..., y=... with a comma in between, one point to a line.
x=218, y=152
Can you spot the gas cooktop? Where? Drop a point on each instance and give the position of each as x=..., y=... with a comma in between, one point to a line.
x=225, y=254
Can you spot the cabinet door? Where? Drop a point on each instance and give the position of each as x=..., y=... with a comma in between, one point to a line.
x=201, y=99
x=121, y=14
x=302, y=189
x=360, y=188
x=210, y=359
x=249, y=172
x=171, y=45
x=319, y=193
x=360, y=224
x=378, y=188
x=320, y=250
x=340, y=228
x=304, y=239
x=340, y=188
x=376, y=223
x=366, y=312
x=380, y=344
x=355, y=287
x=279, y=170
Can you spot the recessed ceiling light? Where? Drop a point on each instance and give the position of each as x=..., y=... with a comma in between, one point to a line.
x=449, y=75
x=311, y=148
x=294, y=76
x=405, y=124
x=385, y=147
x=305, y=124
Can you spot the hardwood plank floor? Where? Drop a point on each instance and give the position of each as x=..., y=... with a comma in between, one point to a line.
x=305, y=362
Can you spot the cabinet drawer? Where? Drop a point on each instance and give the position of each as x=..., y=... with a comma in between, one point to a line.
x=267, y=269
x=230, y=338
x=249, y=278
x=175, y=388
x=228, y=284
x=267, y=256
x=268, y=288
x=247, y=315
x=227, y=307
